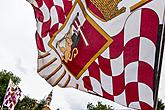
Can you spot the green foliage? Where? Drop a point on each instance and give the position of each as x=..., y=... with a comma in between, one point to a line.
x=99, y=106
x=161, y=105
x=28, y=103
x=41, y=104
x=5, y=76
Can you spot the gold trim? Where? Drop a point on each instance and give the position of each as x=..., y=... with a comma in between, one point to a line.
x=54, y=72
x=77, y=86
x=95, y=25
x=109, y=9
x=97, y=16
x=46, y=65
x=44, y=55
x=67, y=82
x=139, y=4
x=59, y=79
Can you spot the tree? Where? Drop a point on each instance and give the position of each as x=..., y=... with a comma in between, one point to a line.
x=28, y=103
x=161, y=105
x=5, y=76
x=99, y=106
x=41, y=104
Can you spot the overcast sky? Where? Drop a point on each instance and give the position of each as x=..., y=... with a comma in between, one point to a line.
x=18, y=54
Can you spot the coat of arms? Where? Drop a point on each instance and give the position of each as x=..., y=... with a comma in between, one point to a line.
x=106, y=9
x=71, y=40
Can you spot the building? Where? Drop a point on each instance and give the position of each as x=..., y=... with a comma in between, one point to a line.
x=48, y=101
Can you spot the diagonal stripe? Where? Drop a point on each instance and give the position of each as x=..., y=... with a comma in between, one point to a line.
x=77, y=86
x=46, y=65
x=44, y=55
x=67, y=82
x=59, y=79
x=54, y=72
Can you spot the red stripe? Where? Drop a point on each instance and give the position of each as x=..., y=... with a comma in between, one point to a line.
x=61, y=14
x=54, y=29
x=116, y=48
x=39, y=3
x=94, y=71
x=105, y=66
x=67, y=6
x=45, y=28
x=131, y=51
x=149, y=25
x=118, y=84
x=131, y=91
x=38, y=14
x=39, y=42
x=145, y=74
x=49, y=3
x=107, y=95
x=145, y=106
x=87, y=83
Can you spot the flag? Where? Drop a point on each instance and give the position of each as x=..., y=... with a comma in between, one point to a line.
x=13, y=93
x=105, y=47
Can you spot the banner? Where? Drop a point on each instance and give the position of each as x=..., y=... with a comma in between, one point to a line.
x=13, y=93
x=104, y=47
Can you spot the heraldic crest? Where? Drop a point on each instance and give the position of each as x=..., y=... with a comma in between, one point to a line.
x=108, y=8
x=69, y=50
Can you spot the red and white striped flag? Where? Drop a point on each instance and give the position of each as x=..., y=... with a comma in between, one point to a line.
x=13, y=93
x=104, y=47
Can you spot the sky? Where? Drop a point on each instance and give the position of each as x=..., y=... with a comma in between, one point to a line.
x=18, y=53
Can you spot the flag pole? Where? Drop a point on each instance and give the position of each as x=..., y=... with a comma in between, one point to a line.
x=159, y=58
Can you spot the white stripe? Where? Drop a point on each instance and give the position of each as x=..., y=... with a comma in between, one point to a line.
x=55, y=77
x=54, y=16
x=106, y=83
x=131, y=73
x=39, y=27
x=96, y=86
x=147, y=51
x=48, y=70
x=45, y=12
x=117, y=65
x=145, y=94
x=132, y=26
x=121, y=99
x=135, y=105
x=106, y=54
x=59, y=3
x=45, y=42
x=47, y=59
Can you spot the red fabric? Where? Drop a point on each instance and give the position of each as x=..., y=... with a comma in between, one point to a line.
x=94, y=71
x=145, y=74
x=132, y=92
x=85, y=53
x=45, y=28
x=117, y=46
x=131, y=51
x=105, y=65
x=145, y=106
x=61, y=16
x=87, y=85
x=39, y=42
x=149, y=28
x=118, y=84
